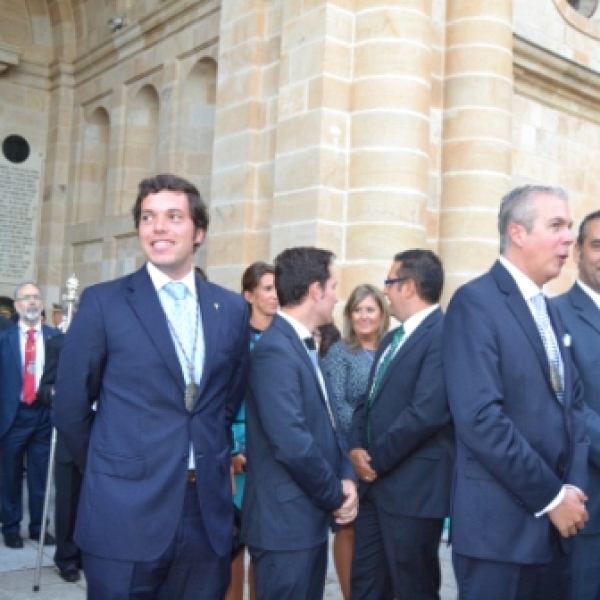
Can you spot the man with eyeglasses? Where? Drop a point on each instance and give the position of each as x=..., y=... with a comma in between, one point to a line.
x=25, y=426
x=402, y=443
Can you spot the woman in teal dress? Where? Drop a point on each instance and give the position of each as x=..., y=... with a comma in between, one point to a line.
x=348, y=364
x=258, y=289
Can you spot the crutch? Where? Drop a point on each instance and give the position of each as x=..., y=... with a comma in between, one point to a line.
x=70, y=297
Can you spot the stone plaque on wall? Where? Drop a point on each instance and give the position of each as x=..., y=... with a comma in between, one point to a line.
x=20, y=175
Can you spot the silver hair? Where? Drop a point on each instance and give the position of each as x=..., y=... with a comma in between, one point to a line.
x=517, y=207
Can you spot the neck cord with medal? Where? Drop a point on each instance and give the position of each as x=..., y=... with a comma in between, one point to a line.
x=191, y=388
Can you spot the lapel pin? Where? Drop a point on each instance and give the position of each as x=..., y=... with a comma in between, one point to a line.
x=567, y=340
x=216, y=306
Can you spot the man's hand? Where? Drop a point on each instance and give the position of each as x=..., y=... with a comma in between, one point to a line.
x=570, y=515
x=238, y=462
x=361, y=460
x=347, y=512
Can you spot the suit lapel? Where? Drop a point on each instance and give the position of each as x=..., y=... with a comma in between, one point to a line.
x=211, y=319
x=144, y=301
x=13, y=337
x=585, y=307
x=406, y=348
x=519, y=308
x=300, y=349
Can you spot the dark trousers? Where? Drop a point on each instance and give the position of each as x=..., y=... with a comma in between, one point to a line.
x=492, y=580
x=187, y=570
x=586, y=567
x=298, y=575
x=67, y=479
x=395, y=557
x=29, y=436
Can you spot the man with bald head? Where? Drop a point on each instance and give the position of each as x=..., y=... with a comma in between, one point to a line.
x=25, y=427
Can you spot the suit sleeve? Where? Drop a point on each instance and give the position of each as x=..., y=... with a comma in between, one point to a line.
x=278, y=395
x=79, y=377
x=472, y=362
x=426, y=413
x=52, y=351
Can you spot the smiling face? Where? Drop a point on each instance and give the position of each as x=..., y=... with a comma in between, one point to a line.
x=542, y=252
x=395, y=293
x=587, y=256
x=366, y=318
x=167, y=233
x=263, y=297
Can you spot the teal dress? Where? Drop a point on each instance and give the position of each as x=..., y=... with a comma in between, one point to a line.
x=238, y=429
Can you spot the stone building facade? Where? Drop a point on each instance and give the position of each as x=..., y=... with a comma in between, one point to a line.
x=363, y=126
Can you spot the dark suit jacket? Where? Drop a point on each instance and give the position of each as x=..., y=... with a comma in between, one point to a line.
x=11, y=374
x=412, y=438
x=582, y=322
x=516, y=443
x=119, y=352
x=295, y=458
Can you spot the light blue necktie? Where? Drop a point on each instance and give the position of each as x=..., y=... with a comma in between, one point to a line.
x=182, y=322
x=548, y=336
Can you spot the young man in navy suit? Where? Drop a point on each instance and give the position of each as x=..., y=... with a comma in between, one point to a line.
x=164, y=355
x=300, y=481
x=521, y=469
x=402, y=443
x=25, y=426
x=580, y=312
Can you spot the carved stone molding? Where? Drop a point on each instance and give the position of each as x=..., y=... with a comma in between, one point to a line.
x=9, y=56
x=556, y=81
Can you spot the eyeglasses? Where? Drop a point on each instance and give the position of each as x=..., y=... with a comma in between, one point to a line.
x=388, y=282
x=29, y=297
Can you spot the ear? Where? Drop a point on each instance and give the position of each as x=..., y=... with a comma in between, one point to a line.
x=409, y=288
x=248, y=296
x=576, y=254
x=315, y=291
x=516, y=234
x=199, y=236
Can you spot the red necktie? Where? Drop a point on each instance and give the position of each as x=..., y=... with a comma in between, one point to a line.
x=29, y=371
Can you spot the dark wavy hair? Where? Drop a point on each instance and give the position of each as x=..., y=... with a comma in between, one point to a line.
x=173, y=183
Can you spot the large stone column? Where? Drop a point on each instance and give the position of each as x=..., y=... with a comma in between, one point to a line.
x=477, y=137
x=310, y=170
x=248, y=67
x=390, y=120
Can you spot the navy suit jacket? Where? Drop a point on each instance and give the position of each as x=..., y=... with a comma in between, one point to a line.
x=296, y=460
x=120, y=353
x=582, y=322
x=516, y=443
x=11, y=374
x=412, y=438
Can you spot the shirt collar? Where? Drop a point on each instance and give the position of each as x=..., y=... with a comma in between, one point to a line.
x=301, y=330
x=527, y=288
x=595, y=296
x=25, y=328
x=415, y=320
x=159, y=279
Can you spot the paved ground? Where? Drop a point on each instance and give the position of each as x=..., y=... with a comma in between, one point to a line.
x=17, y=572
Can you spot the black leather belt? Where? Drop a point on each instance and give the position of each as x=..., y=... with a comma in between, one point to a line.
x=191, y=476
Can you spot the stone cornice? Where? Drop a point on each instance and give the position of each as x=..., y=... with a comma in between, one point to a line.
x=9, y=56
x=556, y=81
x=148, y=31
